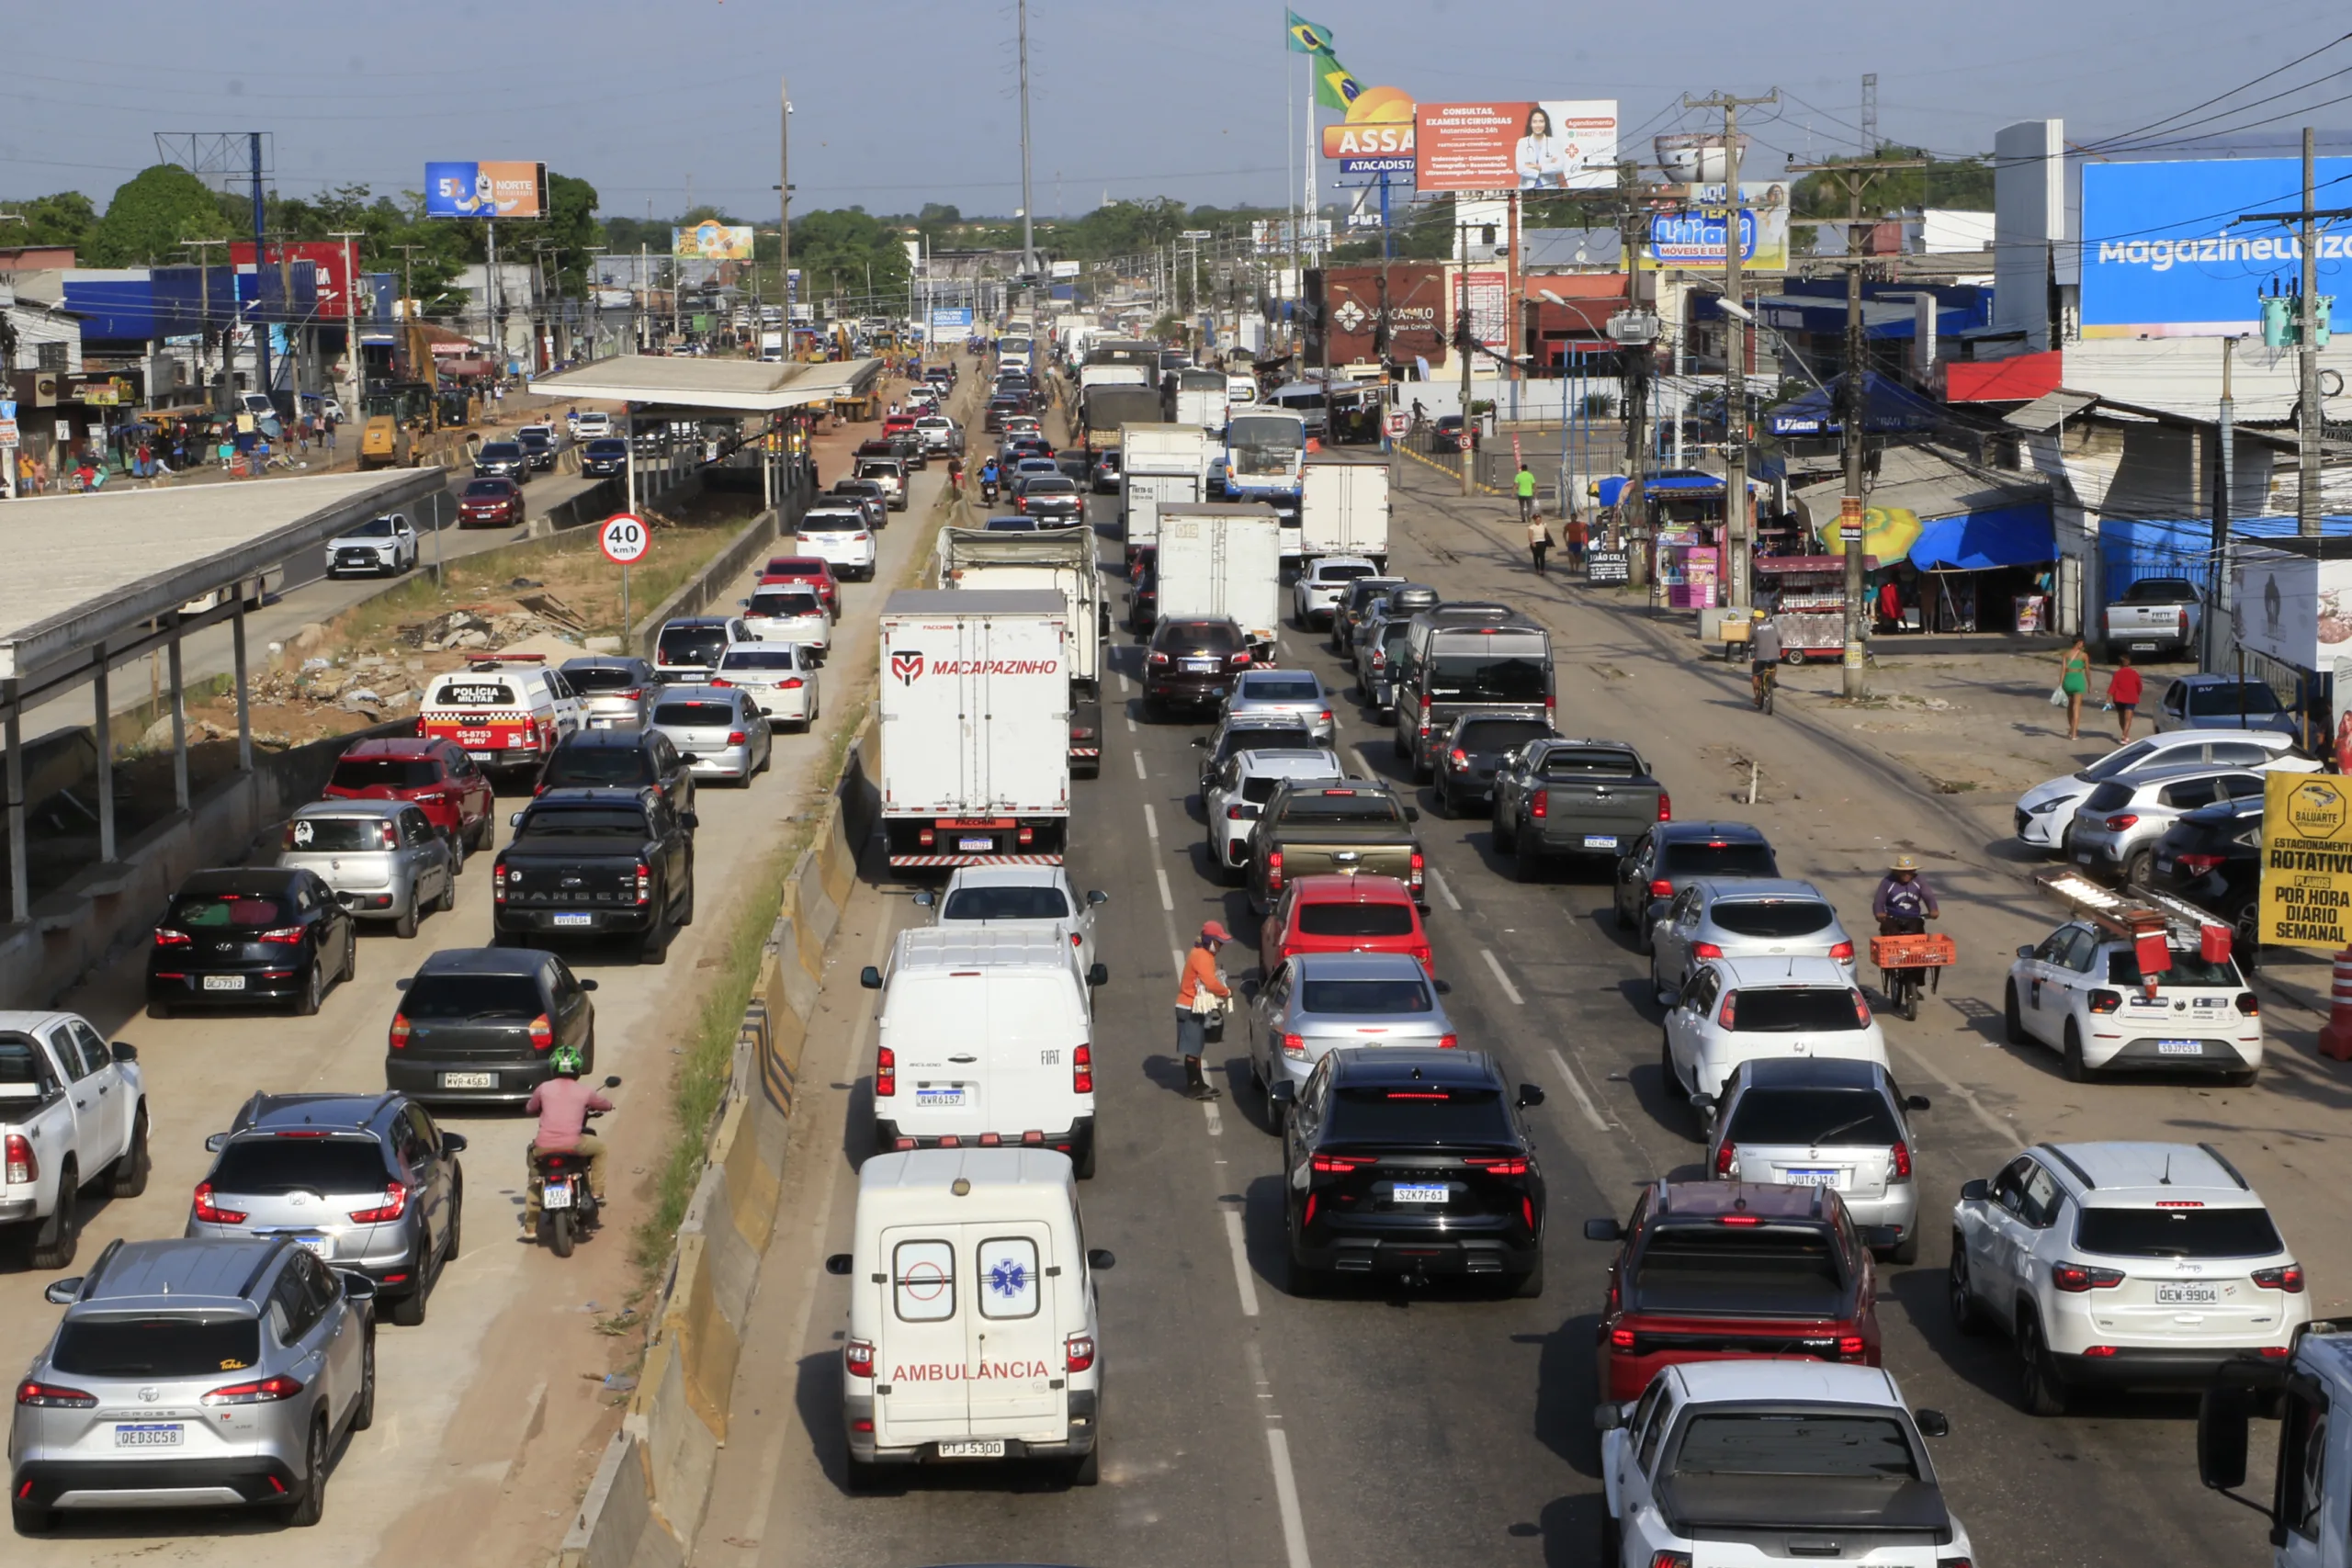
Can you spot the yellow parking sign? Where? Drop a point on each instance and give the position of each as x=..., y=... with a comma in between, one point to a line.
x=2307, y=860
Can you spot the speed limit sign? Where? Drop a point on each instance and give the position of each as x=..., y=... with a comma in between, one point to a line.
x=624, y=538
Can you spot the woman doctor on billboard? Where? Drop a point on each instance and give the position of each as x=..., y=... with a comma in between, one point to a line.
x=1543, y=156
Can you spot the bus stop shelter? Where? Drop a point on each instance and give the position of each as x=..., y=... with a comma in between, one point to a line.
x=98, y=580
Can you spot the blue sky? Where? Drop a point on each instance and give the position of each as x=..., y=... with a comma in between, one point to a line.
x=901, y=103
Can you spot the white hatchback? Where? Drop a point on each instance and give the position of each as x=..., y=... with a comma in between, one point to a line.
x=1734, y=1011
x=2079, y=991
x=781, y=678
x=843, y=540
x=789, y=612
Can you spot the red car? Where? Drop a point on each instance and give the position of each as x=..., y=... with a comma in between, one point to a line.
x=899, y=424
x=814, y=570
x=453, y=791
x=489, y=501
x=1343, y=914
x=1735, y=1271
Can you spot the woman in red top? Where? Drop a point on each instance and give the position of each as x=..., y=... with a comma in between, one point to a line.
x=2123, y=691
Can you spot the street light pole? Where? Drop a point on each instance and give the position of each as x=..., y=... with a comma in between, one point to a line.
x=1735, y=514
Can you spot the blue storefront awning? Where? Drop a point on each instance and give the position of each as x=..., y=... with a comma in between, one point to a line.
x=1888, y=408
x=1979, y=541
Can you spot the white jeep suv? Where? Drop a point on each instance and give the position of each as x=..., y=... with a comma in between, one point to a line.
x=2125, y=1265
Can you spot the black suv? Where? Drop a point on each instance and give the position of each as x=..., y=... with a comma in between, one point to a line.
x=620, y=759
x=367, y=1181
x=1410, y=1161
x=1671, y=855
x=481, y=1023
x=503, y=460
x=605, y=456
x=1191, y=663
x=2212, y=857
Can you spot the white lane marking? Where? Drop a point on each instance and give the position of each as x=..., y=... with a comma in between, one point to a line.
x=1150, y=820
x=1500, y=978
x=1238, y=1245
x=1216, y=1123
x=1124, y=685
x=1174, y=953
x=1442, y=890
x=1167, y=898
x=1584, y=1101
x=1286, y=1495
x=1131, y=725
x=1138, y=757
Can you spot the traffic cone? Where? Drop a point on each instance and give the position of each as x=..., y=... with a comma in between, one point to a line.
x=2335, y=1034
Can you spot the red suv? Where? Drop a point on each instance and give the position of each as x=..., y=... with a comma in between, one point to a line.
x=489, y=500
x=814, y=570
x=1343, y=914
x=455, y=793
x=1735, y=1271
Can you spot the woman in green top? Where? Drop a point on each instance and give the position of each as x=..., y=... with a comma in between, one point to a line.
x=2075, y=679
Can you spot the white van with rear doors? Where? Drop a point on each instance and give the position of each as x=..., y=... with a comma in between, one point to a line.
x=974, y=1333
x=987, y=1039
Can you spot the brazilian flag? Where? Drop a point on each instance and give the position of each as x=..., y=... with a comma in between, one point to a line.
x=1336, y=86
x=1306, y=37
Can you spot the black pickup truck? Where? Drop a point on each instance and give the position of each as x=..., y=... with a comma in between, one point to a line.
x=595, y=863
x=1566, y=799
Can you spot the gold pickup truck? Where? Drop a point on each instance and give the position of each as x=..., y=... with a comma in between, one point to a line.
x=1312, y=827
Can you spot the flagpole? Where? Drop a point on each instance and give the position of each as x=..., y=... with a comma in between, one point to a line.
x=1290, y=152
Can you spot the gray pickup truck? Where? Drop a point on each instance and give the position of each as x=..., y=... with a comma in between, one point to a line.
x=1314, y=827
x=2156, y=615
x=1560, y=797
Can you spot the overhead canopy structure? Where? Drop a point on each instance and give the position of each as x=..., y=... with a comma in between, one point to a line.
x=742, y=386
x=107, y=563
x=1941, y=514
x=1888, y=408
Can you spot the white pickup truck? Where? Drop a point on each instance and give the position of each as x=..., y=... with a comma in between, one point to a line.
x=2156, y=615
x=72, y=1113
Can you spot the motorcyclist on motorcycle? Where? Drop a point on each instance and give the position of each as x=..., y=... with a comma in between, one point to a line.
x=563, y=1105
x=988, y=478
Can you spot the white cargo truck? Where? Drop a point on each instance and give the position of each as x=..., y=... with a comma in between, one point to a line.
x=975, y=714
x=1160, y=465
x=1343, y=510
x=1061, y=559
x=1219, y=559
x=1201, y=400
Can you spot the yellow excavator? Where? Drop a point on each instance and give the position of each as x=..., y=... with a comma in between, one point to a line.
x=395, y=412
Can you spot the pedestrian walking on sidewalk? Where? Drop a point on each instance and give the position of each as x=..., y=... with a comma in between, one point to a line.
x=1525, y=485
x=1574, y=530
x=2073, y=680
x=1539, y=539
x=1200, y=997
x=2123, y=693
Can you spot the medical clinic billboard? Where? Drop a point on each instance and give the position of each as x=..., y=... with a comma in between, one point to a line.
x=2164, y=255
x=1549, y=144
x=486, y=190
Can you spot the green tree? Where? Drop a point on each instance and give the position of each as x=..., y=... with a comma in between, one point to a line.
x=1964, y=183
x=152, y=215
x=848, y=250
x=64, y=219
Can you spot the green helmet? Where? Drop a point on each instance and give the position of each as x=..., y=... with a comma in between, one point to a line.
x=566, y=1061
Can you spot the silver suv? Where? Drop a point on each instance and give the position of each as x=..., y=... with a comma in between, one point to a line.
x=382, y=859
x=193, y=1374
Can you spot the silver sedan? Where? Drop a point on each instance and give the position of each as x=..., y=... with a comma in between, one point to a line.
x=1743, y=916
x=383, y=860
x=1295, y=693
x=1317, y=1002
x=719, y=731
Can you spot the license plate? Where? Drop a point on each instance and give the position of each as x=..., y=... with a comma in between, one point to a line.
x=574, y=920
x=150, y=1434
x=2144, y=647
x=1814, y=1178
x=2181, y=1047
x=224, y=982
x=2164, y=865
x=2188, y=1295
x=556, y=1195
x=469, y=1080
x=481, y=756
x=2083, y=858
x=974, y=1448
x=319, y=1245
x=1198, y=666
x=948, y=1099
x=1417, y=1192
x=976, y=845
x=1600, y=841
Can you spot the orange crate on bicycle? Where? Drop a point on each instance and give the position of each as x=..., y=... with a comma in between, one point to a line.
x=1924, y=950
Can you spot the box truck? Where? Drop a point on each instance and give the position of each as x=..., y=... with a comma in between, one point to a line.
x=974, y=716
x=1343, y=510
x=1159, y=464
x=1061, y=559
x=1220, y=560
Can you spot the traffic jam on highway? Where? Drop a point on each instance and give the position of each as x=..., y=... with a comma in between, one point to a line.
x=232, y=1365
x=1319, y=709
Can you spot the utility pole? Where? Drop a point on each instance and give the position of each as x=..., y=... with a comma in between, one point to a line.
x=204, y=332
x=1463, y=335
x=2217, y=607
x=351, y=316
x=261, y=318
x=1853, y=416
x=784, y=207
x=2310, y=428
x=1736, y=515
x=1028, y=207
x=1640, y=360
x=409, y=312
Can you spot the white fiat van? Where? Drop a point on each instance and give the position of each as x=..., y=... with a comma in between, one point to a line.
x=973, y=1327
x=986, y=1039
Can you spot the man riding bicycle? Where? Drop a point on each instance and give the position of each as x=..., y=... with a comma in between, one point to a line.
x=1904, y=904
x=1763, y=653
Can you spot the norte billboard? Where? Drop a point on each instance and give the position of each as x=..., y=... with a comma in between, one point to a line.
x=486, y=190
x=2164, y=254
x=1691, y=236
x=711, y=241
x=1548, y=144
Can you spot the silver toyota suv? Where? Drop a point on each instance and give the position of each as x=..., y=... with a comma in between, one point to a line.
x=193, y=1374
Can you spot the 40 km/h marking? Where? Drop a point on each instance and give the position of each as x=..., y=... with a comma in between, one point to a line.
x=624, y=538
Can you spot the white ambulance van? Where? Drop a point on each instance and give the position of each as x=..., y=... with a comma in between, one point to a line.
x=973, y=1332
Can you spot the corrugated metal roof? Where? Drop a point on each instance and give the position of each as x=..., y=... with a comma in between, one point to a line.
x=2050, y=410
